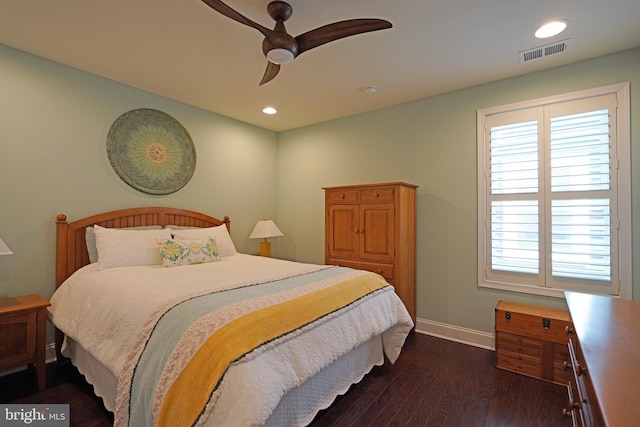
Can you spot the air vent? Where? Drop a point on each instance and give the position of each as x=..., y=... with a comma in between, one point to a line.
x=543, y=51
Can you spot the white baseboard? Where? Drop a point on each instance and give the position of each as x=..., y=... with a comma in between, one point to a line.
x=455, y=333
x=50, y=353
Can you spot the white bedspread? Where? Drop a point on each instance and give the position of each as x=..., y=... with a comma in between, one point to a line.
x=105, y=311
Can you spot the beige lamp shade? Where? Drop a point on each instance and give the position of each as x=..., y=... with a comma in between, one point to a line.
x=263, y=230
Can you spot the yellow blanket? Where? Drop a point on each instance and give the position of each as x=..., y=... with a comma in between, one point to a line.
x=184, y=403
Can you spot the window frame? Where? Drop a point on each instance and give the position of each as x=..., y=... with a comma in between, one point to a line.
x=621, y=165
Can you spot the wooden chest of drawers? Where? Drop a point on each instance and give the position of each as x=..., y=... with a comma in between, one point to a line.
x=532, y=341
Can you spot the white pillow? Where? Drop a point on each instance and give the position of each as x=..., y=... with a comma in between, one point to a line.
x=90, y=239
x=122, y=247
x=219, y=233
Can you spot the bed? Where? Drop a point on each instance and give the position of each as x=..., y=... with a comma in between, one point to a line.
x=172, y=326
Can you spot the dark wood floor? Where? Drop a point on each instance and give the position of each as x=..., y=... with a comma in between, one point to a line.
x=435, y=382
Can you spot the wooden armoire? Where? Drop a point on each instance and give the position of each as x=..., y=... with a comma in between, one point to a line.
x=373, y=227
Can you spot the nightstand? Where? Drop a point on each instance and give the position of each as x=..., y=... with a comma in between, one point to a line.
x=23, y=333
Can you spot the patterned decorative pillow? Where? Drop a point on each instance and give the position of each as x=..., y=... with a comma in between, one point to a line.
x=176, y=252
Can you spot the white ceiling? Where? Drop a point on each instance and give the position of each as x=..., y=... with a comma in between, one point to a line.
x=184, y=50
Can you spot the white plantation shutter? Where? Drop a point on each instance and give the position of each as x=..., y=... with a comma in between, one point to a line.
x=581, y=239
x=514, y=205
x=580, y=173
x=549, y=195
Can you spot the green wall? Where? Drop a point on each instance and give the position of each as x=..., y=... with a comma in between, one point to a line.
x=55, y=119
x=432, y=143
x=54, y=123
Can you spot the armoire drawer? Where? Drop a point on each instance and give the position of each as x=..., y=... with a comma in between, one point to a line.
x=377, y=195
x=345, y=196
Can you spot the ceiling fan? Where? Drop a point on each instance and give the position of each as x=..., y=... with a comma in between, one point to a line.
x=280, y=47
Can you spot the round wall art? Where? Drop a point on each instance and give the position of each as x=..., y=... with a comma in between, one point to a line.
x=151, y=151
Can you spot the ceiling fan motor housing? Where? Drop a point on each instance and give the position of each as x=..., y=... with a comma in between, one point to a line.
x=279, y=10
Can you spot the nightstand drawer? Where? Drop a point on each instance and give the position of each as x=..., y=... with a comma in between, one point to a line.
x=17, y=338
x=23, y=333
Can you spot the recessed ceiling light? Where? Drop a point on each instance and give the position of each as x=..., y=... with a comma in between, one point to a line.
x=370, y=90
x=269, y=110
x=551, y=29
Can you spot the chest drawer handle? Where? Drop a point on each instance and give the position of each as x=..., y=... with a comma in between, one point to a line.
x=569, y=330
x=566, y=365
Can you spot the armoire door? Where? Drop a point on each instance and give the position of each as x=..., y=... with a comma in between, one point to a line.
x=376, y=231
x=342, y=231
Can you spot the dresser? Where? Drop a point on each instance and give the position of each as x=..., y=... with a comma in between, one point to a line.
x=373, y=227
x=604, y=360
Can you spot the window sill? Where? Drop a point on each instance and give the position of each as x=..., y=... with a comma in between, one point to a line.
x=546, y=292
x=524, y=289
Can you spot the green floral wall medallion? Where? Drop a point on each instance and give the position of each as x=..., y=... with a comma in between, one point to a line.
x=151, y=151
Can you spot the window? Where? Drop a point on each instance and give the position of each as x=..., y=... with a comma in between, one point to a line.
x=554, y=191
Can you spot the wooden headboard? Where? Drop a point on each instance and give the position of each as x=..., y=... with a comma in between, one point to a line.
x=71, y=247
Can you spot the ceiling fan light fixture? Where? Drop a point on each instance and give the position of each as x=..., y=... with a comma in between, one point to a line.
x=280, y=56
x=551, y=29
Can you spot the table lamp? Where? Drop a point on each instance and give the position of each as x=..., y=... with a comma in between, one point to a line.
x=263, y=230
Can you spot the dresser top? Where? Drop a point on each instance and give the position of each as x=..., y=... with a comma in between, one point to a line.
x=608, y=332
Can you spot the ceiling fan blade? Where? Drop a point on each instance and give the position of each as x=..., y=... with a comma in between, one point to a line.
x=227, y=11
x=338, y=30
x=271, y=71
